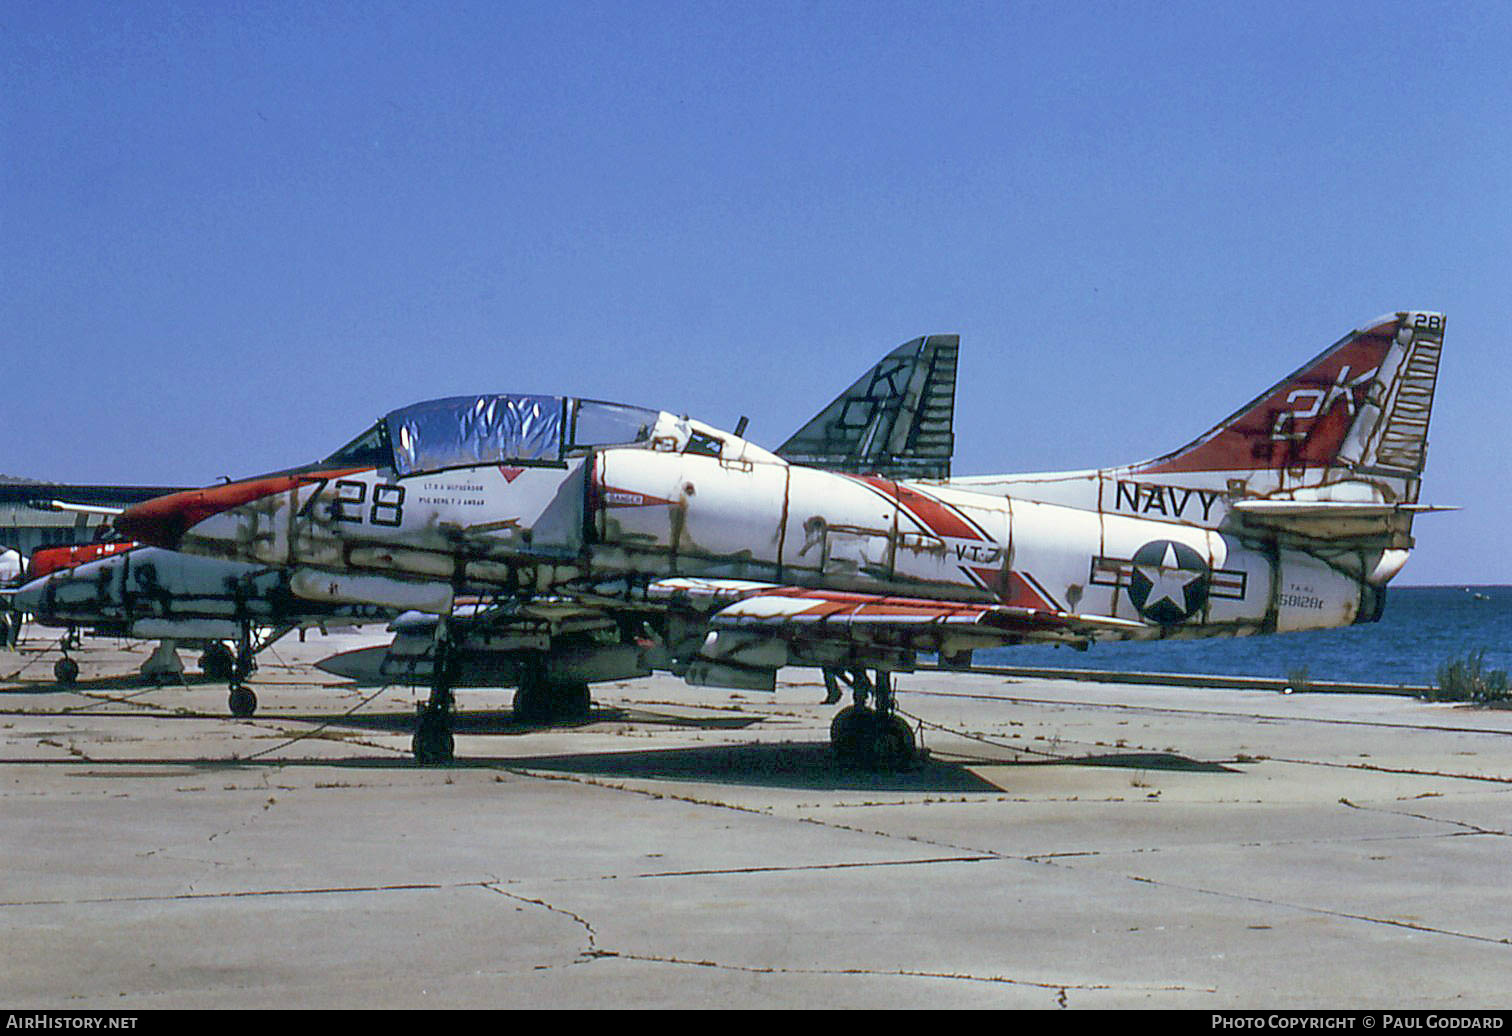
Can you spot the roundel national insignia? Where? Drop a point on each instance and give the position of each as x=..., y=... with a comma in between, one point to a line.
x=1169, y=582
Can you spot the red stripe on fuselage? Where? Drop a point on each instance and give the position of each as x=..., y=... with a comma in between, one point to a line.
x=935, y=515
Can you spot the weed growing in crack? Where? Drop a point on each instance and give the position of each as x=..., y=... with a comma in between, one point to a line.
x=1468, y=679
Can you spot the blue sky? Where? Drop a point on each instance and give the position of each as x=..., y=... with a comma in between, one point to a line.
x=235, y=233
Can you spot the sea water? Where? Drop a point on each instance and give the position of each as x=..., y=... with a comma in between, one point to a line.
x=1422, y=628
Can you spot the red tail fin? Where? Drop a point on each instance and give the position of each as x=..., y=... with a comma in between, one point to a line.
x=1383, y=375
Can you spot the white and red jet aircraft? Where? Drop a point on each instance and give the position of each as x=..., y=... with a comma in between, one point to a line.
x=599, y=528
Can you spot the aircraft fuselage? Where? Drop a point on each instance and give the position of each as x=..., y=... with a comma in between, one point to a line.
x=646, y=514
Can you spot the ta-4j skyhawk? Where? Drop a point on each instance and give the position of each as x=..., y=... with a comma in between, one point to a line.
x=116, y=587
x=610, y=540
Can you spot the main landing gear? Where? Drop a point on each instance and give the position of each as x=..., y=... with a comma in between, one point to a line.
x=539, y=700
x=433, y=744
x=870, y=735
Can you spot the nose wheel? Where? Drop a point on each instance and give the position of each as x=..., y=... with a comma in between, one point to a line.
x=241, y=700
x=65, y=669
x=869, y=733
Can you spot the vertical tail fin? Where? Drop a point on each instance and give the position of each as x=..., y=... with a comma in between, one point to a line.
x=895, y=421
x=1358, y=410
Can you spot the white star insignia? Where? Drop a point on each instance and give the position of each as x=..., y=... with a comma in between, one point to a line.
x=1168, y=581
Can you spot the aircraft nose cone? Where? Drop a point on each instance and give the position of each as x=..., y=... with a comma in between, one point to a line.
x=160, y=522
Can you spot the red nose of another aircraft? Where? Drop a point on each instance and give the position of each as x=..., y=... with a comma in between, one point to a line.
x=163, y=520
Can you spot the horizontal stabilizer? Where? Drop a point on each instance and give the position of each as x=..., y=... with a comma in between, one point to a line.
x=1333, y=519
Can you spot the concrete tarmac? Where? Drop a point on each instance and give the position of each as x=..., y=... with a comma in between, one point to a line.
x=1065, y=845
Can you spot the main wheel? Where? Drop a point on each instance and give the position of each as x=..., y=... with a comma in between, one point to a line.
x=65, y=671
x=574, y=702
x=433, y=744
x=850, y=733
x=217, y=662
x=538, y=701
x=894, y=745
x=242, y=702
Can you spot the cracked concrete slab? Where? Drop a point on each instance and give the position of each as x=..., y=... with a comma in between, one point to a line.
x=1066, y=845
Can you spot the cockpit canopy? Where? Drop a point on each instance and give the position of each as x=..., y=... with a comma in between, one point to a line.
x=463, y=431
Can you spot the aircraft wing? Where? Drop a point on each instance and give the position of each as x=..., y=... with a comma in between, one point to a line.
x=914, y=623
x=847, y=612
x=895, y=421
x=735, y=630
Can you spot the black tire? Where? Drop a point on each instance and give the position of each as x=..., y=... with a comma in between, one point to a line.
x=433, y=744
x=895, y=747
x=861, y=737
x=574, y=702
x=538, y=702
x=65, y=671
x=217, y=662
x=242, y=702
x=850, y=733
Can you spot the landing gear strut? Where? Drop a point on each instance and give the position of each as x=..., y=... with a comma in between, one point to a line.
x=433, y=744
x=241, y=700
x=65, y=669
x=10, y=630
x=870, y=735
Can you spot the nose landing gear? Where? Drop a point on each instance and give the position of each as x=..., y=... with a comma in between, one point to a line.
x=241, y=700
x=65, y=669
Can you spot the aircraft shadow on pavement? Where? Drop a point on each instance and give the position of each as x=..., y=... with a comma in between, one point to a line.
x=806, y=766
x=813, y=766
x=809, y=766
x=503, y=721
x=1147, y=761
x=125, y=682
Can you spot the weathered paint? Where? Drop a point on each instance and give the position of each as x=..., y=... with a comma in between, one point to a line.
x=1287, y=516
x=122, y=590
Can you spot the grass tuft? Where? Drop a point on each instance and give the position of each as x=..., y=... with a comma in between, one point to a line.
x=1468, y=679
